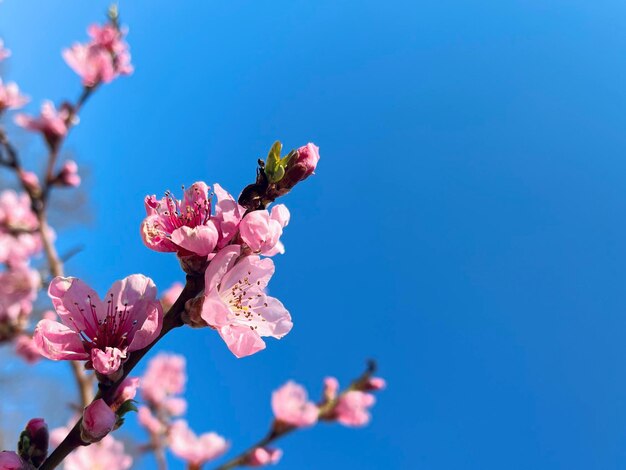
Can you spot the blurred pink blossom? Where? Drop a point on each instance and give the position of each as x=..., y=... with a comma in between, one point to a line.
x=18, y=290
x=101, y=60
x=27, y=349
x=195, y=450
x=164, y=377
x=102, y=332
x=236, y=305
x=264, y=456
x=11, y=461
x=10, y=97
x=290, y=405
x=149, y=421
x=19, y=239
x=170, y=295
x=52, y=124
x=352, y=408
x=68, y=176
x=108, y=453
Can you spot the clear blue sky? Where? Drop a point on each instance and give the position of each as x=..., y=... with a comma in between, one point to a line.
x=466, y=225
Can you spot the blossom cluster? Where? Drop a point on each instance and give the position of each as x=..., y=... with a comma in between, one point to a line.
x=225, y=247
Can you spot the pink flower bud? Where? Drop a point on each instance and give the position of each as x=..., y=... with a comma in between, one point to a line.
x=291, y=406
x=264, y=456
x=33, y=443
x=375, y=383
x=300, y=166
x=68, y=176
x=331, y=386
x=29, y=180
x=98, y=421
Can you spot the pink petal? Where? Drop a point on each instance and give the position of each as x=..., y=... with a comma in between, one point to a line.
x=107, y=362
x=241, y=340
x=200, y=240
x=258, y=271
x=215, y=312
x=58, y=342
x=69, y=295
x=219, y=266
x=150, y=329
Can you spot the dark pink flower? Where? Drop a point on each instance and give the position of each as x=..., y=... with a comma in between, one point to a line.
x=236, y=305
x=102, y=332
x=181, y=226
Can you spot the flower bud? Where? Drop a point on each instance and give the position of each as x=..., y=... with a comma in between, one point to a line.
x=300, y=166
x=68, y=176
x=264, y=456
x=98, y=421
x=125, y=391
x=192, y=315
x=33, y=443
x=30, y=181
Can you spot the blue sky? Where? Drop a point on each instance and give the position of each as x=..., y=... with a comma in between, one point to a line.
x=465, y=226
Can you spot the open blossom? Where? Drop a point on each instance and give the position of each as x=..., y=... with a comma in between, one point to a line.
x=102, y=59
x=261, y=230
x=290, y=405
x=102, y=332
x=10, y=97
x=18, y=225
x=52, y=123
x=108, y=453
x=228, y=215
x=18, y=290
x=164, y=377
x=264, y=456
x=236, y=305
x=195, y=450
x=352, y=408
x=182, y=226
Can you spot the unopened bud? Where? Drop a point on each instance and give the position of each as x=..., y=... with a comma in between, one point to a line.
x=98, y=421
x=300, y=165
x=68, y=176
x=30, y=181
x=33, y=443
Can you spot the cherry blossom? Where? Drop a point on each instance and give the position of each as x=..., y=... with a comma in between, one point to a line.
x=261, y=230
x=261, y=456
x=53, y=124
x=102, y=59
x=102, y=332
x=291, y=406
x=236, y=305
x=10, y=97
x=195, y=450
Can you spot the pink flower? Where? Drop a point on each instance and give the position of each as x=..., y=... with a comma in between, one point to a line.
x=352, y=408
x=103, y=59
x=331, y=387
x=4, y=52
x=228, y=215
x=181, y=226
x=98, y=421
x=68, y=176
x=164, y=377
x=236, y=305
x=18, y=226
x=149, y=421
x=290, y=405
x=101, y=332
x=10, y=97
x=18, y=290
x=261, y=230
x=108, y=453
x=264, y=456
x=195, y=450
x=27, y=349
x=171, y=295
x=10, y=460
x=52, y=124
